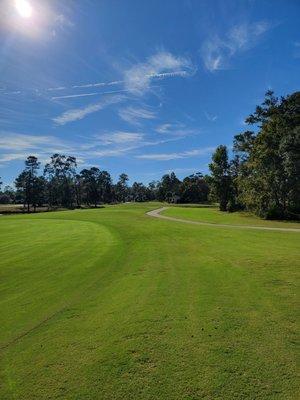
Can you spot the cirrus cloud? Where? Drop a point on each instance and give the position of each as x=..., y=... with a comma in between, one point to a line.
x=176, y=156
x=76, y=114
x=217, y=51
x=160, y=65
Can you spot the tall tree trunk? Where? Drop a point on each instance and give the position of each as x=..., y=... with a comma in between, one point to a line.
x=223, y=205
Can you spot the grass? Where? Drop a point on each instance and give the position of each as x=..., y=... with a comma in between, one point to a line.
x=112, y=304
x=214, y=216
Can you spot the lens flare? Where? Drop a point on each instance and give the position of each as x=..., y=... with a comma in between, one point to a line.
x=24, y=8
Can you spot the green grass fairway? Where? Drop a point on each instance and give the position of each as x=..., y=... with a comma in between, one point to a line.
x=214, y=216
x=113, y=304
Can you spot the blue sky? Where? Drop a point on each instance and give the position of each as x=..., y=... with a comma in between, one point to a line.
x=142, y=87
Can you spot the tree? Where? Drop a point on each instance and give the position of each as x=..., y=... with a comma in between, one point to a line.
x=40, y=191
x=122, y=188
x=32, y=166
x=169, y=187
x=8, y=195
x=105, y=187
x=78, y=187
x=194, y=189
x=269, y=178
x=221, y=178
x=22, y=186
x=235, y=203
x=139, y=192
x=90, y=182
x=153, y=189
x=60, y=174
x=27, y=183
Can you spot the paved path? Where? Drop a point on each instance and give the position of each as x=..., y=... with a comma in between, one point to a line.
x=156, y=214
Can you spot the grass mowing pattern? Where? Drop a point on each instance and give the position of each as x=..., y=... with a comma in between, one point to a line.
x=214, y=216
x=141, y=308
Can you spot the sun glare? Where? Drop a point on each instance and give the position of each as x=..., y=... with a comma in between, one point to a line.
x=24, y=8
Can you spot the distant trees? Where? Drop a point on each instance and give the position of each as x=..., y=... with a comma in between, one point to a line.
x=4, y=197
x=7, y=195
x=121, y=189
x=90, y=185
x=139, y=192
x=62, y=186
x=105, y=187
x=152, y=190
x=194, y=189
x=221, y=177
x=168, y=187
x=95, y=186
x=28, y=183
x=60, y=174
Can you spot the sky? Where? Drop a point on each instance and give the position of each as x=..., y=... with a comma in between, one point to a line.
x=136, y=86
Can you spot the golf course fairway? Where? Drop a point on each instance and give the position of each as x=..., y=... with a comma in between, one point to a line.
x=110, y=303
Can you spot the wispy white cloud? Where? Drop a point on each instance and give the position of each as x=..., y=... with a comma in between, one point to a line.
x=218, y=50
x=56, y=88
x=120, y=137
x=160, y=65
x=13, y=92
x=60, y=22
x=176, y=156
x=137, y=79
x=72, y=96
x=120, y=143
x=117, y=152
x=36, y=91
x=169, y=75
x=97, y=84
x=164, y=128
x=4, y=158
x=76, y=114
x=175, y=130
x=21, y=142
x=16, y=146
x=210, y=117
x=63, y=20
x=134, y=115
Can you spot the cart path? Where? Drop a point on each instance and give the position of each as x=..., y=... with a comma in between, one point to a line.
x=156, y=214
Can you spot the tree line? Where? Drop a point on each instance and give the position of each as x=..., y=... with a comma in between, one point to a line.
x=60, y=185
x=263, y=174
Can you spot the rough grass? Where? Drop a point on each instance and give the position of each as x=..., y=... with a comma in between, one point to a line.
x=214, y=216
x=112, y=304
